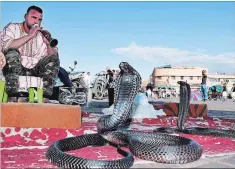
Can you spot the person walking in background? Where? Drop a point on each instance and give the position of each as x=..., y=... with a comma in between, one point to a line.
x=233, y=92
x=149, y=90
x=110, y=76
x=149, y=93
x=87, y=79
x=203, y=86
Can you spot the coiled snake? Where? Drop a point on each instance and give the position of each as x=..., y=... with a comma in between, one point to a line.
x=158, y=147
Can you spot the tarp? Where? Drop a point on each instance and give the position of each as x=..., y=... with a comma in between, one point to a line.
x=216, y=88
x=165, y=66
x=164, y=86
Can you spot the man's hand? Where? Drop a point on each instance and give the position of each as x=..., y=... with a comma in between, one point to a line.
x=34, y=31
x=17, y=43
x=44, y=38
x=2, y=60
x=50, y=50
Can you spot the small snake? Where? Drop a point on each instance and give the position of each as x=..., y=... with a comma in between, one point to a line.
x=185, y=92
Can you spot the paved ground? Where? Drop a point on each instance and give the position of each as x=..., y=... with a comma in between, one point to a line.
x=215, y=162
x=219, y=109
x=227, y=105
x=216, y=109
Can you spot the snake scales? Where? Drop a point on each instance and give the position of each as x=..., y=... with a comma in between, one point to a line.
x=158, y=147
x=185, y=92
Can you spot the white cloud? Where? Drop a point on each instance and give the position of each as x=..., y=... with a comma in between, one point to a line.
x=162, y=55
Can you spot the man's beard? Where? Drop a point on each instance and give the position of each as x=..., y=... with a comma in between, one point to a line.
x=28, y=26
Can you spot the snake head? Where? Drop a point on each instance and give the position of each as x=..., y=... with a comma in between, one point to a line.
x=125, y=67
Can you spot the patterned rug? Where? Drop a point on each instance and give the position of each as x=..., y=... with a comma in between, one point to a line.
x=26, y=147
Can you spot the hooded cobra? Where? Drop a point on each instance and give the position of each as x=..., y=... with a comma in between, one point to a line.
x=185, y=92
x=158, y=147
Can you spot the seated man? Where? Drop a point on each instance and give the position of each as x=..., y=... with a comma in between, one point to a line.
x=2, y=63
x=28, y=52
x=2, y=59
x=64, y=77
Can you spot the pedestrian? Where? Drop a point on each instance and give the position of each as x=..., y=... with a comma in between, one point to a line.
x=110, y=76
x=204, y=86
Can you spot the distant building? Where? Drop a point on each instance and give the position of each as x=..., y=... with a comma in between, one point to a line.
x=144, y=84
x=222, y=78
x=167, y=75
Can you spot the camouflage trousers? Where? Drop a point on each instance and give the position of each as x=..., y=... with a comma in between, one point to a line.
x=47, y=68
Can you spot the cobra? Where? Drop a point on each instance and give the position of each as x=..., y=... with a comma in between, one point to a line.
x=112, y=129
x=185, y=92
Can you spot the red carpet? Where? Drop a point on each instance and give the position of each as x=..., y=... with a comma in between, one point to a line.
x=25, y=147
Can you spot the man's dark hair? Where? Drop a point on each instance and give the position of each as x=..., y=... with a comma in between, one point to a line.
x=34, y=8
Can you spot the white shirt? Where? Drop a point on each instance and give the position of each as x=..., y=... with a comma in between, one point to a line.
x=31, y=52
x=87, y=80
x=149, y=93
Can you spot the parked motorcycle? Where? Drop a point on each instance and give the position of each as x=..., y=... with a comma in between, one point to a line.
x=77, y=78
x=68, y=95
x=99, y=86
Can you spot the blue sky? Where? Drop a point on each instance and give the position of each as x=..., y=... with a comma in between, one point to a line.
x=145, y=34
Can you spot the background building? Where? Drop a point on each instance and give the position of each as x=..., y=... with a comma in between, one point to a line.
x=168, y=75
x=221, y=78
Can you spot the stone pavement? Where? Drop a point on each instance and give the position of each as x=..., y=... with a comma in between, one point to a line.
x=208, y=162
x=217, y=105
x=216, y=109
